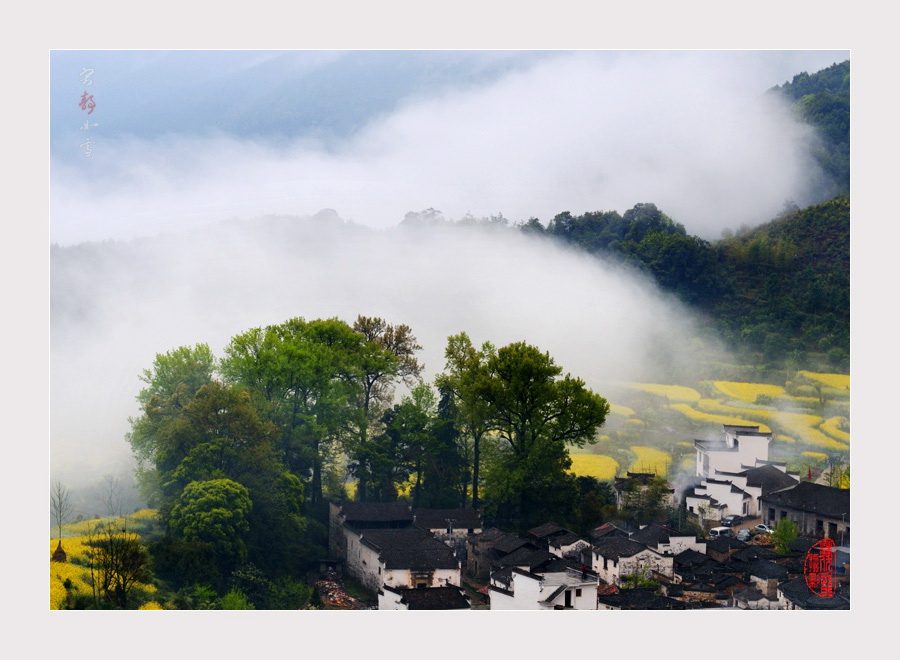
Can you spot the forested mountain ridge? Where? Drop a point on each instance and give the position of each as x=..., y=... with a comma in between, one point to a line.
x=780, y=289
x=822, y=100
x=788, y=284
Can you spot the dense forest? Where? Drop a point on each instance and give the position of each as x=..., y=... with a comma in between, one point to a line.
x=241, y=454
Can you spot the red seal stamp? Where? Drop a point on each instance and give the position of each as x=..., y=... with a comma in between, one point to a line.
x=818, y=568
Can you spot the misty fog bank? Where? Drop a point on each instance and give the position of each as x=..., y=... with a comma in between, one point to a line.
x=689, y=131
x=115, y=305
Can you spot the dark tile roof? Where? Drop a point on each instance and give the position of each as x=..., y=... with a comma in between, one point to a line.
x=767, y=570
x=606, y=529
x=615, y=547
x=437, y=518
x=802, y=544
x=356, y=513
x=409, y=548
x=529, y=557
x=799, y=593
x=510, y=543
x=566, y=538
x=640, y=599
x=723, y=544
x=434, y=598
x=744, y=428
x=654, y=534
x=748, y=594
x=692, y=492
x=644, y=478
x=547, y=529
x=768, y=478
x=813, y=498
x=752, y=553
x=489, y=535
x=691, y=558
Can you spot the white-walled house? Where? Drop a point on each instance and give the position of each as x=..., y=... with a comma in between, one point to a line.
x=401, y=558
x=549, y=591
x=569, y=545
x=721, y=498
x=759, y=481
x=740, y=446
x=667, y=541
x=616, y=558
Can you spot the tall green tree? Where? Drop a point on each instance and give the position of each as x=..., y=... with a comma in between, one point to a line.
x=465, y=372
x=386, y=358
x=536, y=413
x=303, y=375
x=171, y=383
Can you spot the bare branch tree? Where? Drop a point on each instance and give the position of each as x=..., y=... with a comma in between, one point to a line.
x=60, y=505
x=113, y=495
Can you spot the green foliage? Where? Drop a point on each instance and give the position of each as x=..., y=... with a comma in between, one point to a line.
x=215, y=512
x=534, y=414
x=822, y=100
x=235, y=600
x=783, y=535
x=267, y=594
x=118, y=561
x=639, y=580
x=642, y=504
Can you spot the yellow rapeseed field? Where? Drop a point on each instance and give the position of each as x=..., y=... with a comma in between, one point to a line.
x=671, y=392
x=650, y=460
x=830, y=426
x=837, y=381
x=79, y=577
x=698, y=416
x=152, y=605
x=624, y=411
x=805, y=429
x=814, y=454
x=74, y=544
x=594, y=465
x=747, y=391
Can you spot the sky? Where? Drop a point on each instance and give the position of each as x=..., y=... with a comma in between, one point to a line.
x=186, y=138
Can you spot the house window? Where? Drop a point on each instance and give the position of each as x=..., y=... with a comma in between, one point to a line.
x=578, y=593
x=771, y=514
x=783, y=515
x=820, y=526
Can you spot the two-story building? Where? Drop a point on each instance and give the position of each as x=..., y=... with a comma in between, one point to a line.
x=400, y=558
x=560, y=590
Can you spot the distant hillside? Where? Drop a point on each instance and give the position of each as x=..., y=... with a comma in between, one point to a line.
x=779, y=290
x=823, y=100
x=787, y=283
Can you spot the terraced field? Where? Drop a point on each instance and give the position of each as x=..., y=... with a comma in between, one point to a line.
x=656, y=432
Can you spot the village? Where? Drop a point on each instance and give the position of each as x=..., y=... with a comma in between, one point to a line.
x=443, y=559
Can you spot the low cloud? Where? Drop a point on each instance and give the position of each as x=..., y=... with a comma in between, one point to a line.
x=115, y=306
x=689, y=131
